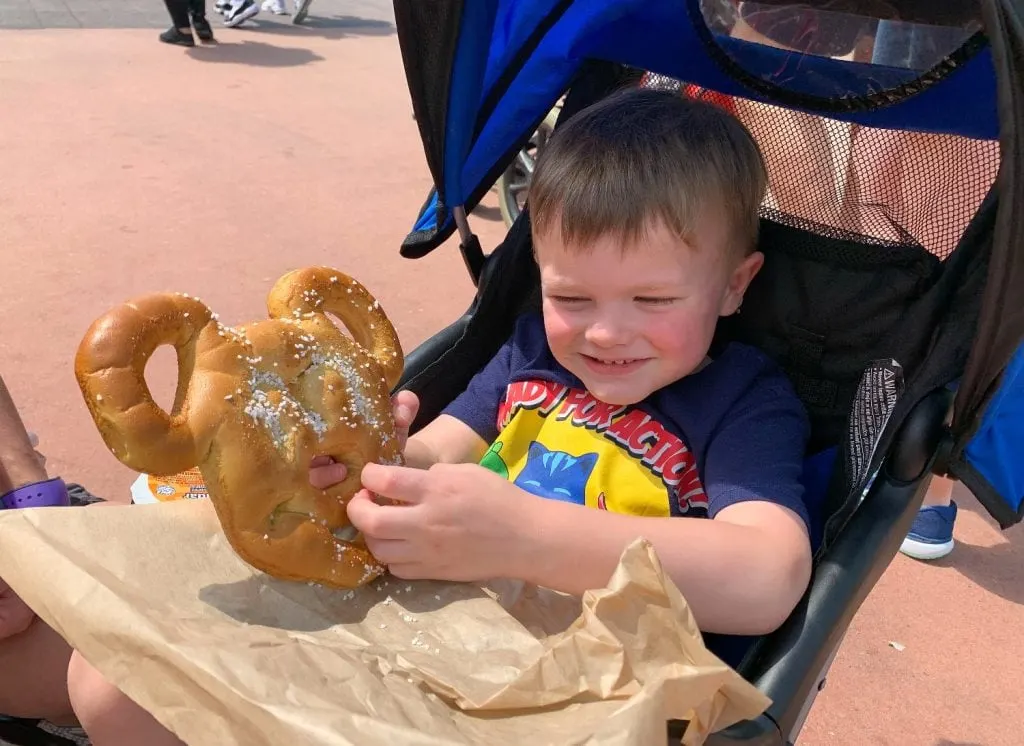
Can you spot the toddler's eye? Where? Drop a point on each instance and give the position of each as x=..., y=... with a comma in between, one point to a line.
x=568, y=300
x=656, y=301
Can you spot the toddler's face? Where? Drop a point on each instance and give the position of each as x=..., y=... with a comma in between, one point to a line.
x=629, y=320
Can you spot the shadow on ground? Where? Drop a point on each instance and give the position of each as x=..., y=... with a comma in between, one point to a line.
x=234, y=48
x=254, y=53
x=995, y=568
x=329, y=27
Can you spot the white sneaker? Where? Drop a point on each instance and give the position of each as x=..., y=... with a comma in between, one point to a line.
x=222, y=6
x=240, y=12
x=301, y=10
x=274, y=6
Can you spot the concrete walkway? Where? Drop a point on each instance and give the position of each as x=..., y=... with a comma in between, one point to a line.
x=100, y=14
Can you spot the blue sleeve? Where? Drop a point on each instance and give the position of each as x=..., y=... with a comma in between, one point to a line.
x=478, y=405
x=525, y=350
x=758, y=451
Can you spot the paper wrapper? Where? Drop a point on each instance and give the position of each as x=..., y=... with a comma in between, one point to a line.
x=155, y=598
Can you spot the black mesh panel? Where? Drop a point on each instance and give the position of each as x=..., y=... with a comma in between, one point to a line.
x=862, y=184
x=877, y=186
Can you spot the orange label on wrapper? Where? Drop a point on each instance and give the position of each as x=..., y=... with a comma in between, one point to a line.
x=188, y=485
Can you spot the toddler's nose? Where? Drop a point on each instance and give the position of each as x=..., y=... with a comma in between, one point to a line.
x=608, y=332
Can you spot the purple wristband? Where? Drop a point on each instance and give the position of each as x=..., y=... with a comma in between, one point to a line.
x=49, y=494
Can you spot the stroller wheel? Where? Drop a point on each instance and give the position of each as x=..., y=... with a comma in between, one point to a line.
x=513, y=185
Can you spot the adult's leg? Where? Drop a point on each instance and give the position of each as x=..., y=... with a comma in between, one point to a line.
x=179, y=14
x=197, y=10
x=940, y=492
x=33, y=675
x=180, y=33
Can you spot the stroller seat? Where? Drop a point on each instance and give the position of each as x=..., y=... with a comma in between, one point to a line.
x=879, y=233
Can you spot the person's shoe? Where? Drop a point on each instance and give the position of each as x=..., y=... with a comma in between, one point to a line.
x=301, y=10
x=174, y=36
x=222, y=6
x=274, y=6
x=240, y=13
x=931, y=535
x=203, y=29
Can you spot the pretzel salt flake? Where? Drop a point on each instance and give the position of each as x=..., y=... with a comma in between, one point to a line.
x=253, y=406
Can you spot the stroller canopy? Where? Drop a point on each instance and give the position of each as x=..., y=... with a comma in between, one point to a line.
x=484, y=73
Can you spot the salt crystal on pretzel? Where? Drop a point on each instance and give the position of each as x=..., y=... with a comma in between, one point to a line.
x=253, y=406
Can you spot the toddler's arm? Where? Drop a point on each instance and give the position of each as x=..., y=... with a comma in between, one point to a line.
x=741, y=574
x=445, y=440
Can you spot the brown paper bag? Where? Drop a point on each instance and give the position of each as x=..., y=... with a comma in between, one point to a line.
x=155, y=598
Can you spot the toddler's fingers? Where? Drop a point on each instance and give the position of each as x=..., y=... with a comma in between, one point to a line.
x=327, y=475
x=406, y=405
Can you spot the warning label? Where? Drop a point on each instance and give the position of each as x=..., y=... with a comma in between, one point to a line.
x=880, y=387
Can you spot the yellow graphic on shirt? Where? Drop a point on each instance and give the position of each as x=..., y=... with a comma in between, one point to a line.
x=564, y=444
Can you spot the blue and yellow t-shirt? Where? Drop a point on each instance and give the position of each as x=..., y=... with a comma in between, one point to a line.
x=733, y=431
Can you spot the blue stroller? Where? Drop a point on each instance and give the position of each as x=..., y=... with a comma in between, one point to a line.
x=891, y=288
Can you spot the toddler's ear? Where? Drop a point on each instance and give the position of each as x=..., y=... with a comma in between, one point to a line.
x=739, y=281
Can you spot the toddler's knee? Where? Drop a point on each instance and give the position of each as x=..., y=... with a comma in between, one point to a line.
x=109, y=716
x=94, y=699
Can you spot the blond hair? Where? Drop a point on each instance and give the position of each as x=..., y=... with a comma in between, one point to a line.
x=641, y=156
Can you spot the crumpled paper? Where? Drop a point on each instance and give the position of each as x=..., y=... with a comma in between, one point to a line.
x=154, y=597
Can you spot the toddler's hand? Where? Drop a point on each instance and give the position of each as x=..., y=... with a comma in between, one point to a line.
x=324, y=472
x=457, y=522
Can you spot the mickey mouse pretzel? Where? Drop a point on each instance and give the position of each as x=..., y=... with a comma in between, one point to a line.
x=253, y=406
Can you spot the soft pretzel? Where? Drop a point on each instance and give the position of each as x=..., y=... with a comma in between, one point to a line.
x=253, y=406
